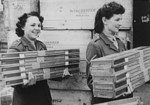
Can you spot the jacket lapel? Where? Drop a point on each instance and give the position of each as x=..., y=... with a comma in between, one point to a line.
x=108, y=42
x=27, y=44
x=38, y=46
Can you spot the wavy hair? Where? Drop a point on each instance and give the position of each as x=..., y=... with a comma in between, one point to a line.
x=22, y=21
x=107, y=11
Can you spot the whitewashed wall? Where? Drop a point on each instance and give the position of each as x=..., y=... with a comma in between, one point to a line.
x=1, y=6
x=77, y=14
x=15, y=8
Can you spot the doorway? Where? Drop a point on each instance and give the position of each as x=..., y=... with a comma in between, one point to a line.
x=141, y=23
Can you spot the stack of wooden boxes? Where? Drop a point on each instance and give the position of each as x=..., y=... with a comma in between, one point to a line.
x=49, y=64
x=128, y=101
x=118, y=74
x=140, y=76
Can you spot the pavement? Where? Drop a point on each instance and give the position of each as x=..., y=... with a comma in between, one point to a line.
x=143, y=92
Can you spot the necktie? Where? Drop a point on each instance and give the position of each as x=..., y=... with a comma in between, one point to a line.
x=115, y=42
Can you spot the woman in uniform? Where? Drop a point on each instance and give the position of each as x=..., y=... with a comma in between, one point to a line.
x=107, y=24
x=31, y=93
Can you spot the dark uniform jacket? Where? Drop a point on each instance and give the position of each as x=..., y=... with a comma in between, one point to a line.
x=100, y=47
x=37, y=94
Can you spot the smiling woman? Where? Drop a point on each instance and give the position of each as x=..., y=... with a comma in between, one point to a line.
x=107, y=23
x=32, y=92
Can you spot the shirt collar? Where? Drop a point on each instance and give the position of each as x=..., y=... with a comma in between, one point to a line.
x=111, y=37
x=27, y=43
x=107, y=41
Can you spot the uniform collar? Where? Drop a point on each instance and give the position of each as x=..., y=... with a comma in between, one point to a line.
x=108, y=41
x=28, y=44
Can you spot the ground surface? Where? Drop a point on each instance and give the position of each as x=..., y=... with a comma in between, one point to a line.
x=144, y=92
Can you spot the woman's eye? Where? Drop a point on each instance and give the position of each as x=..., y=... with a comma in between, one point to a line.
x=33, y=25
x=118, y=19
x=39, y=25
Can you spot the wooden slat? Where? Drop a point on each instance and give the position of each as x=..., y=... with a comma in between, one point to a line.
x=35, y=65
x=38, y=59
x=40, y=75
x=128, y=101
x=110, y=94
x=30, y=54
x=108, y=85
x=108, y=76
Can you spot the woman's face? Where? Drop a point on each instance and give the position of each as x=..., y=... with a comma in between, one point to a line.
x=113, y=24
x=32, y=28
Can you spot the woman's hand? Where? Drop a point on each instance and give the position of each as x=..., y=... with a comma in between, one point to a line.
x=31, y=79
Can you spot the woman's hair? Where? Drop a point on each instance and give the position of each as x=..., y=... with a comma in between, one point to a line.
x=22, y=21
x=107, y=11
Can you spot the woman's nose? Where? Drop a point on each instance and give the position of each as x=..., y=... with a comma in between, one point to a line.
x=37, y=27
x=120, y=23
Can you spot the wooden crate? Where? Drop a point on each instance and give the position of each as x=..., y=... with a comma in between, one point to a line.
x=108, y=77
x=126, y=67
x=38, y=56
x=117, y=61
x=137, y=75
x=138, y=78
x=3, y=47
x=70, y=91
x=105, y=93
x=147, y=64
x=15, y=65
x=146, y=75
x=129, y=101
x=37, y=59
x=71, y=97
x=144, y=49
x=15, y=77
x=108, y=85
x=145, y=56
x=106, y=72
x=138, y=83
x=15, y=8
x=70, y=14
x=135, y=70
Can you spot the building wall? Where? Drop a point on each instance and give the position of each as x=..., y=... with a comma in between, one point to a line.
x=1, y=6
